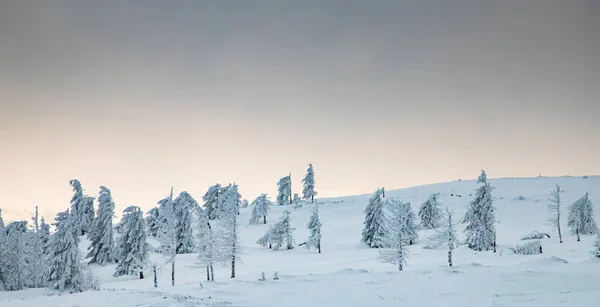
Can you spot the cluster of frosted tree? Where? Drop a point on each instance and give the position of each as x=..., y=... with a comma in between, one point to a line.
x=581, y=217
x=23, y=254
x=284, y=189
x=480, y=218
x=279, y=233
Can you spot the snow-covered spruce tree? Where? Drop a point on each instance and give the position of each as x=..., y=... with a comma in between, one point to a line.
x=153, y=221
x=166, y=232
x=554, y=210
x=1, y=220
x=581, y=217
x=33, y=255
x=35, y=219
x=65, y=271
x=45, y=237
x=102, y=247
x=82, y=208
x=374, y=221
x=265, y=240
x=133, y=249
x=314, y=228
x=394, y=238
x=205, y=243
x=230, y=249
x=409, y=227
x=480, y=218
x=430, y=213
x=445, y=237
x=13, y=265
x=245, y=203
x=308, y=192
x=184, y=206
x=284, y=190
x=596, y=250
x=211, y=200
x=260, y=209
x=282, y=231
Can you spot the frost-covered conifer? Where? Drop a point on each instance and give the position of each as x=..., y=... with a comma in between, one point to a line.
x=265, y=240
x=314, y=227
x=184, y=206
x=480, y=218
x=166, y=232
x=581, y=217
x=65, y=271
x=133, y=249
x=82, y=208
x=260, y=209
x=445, y=237
x=596, y=250
x=1, y=220
x=230, y=249
x=284, y=190
x=282, y=231
x=205, y=244
x=374, y=221
x=245, y=203
x=211, y=200
x=45, y=236
x=102, y=247
x=394, y=238
x=409, y=227
x=554, y=209
x=430, y=213
x=153, y=221
x=308, y=192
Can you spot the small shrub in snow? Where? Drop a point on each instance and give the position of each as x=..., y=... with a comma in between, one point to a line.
x=262, y=277
x=530, y=248
x=275, y=275
x=535, y=235
x=520, y=198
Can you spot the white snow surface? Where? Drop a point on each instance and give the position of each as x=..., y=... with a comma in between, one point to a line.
x=349, y=274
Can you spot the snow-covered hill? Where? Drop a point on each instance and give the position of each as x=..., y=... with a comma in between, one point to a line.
x=348, y=274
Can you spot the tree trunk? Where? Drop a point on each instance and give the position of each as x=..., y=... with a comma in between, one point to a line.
x=559, y=233
x=155, y=277
x=312, y=199
x=207, y=273
x=578, y=238
x=212, y=273
x=173, y=272
x=319, y=246
x=141, y=275
x=264, y=219
x=449, y=257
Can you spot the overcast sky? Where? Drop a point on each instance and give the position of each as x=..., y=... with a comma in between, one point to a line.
x=140, y=96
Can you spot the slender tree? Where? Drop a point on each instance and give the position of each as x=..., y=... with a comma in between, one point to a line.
x=45, y=237
x=167, y=234
x=445, y=237
x=133, y=249
x=260, y=209
x=1, y=220
x=554, y=209
x=314, y=227
x=409, y=227
x=394, y=238
x=206, y=243
x=374, y=221
x=230, y=249
x=102, y=247
x=308, y=191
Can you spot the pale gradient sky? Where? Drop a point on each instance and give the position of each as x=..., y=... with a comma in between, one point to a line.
x=142, y=95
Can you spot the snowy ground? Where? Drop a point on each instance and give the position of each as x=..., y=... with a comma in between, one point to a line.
x=348, y=274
